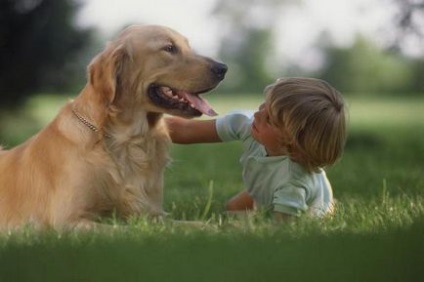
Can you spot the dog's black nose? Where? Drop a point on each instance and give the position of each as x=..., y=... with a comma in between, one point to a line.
x=219, y=70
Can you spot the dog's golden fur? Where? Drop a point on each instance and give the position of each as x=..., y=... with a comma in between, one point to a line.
x=105, y=152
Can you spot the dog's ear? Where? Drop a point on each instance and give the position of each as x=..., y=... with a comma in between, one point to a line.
x=105, y=73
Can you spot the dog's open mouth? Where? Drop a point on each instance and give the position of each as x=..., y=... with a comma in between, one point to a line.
x=188, y=103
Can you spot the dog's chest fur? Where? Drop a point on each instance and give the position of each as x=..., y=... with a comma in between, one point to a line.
x=136, y=167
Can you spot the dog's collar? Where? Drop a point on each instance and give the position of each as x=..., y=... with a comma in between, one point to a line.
x=84, y=121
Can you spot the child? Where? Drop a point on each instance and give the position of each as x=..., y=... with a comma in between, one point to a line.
x=298, y=130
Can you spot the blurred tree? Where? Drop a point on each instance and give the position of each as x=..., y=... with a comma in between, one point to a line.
x=364, y=68
x=408, y=22
x=247, y=42
x=37, y=38
x=247, y=60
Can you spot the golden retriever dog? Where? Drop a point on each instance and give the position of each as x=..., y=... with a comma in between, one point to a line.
x=106, y=151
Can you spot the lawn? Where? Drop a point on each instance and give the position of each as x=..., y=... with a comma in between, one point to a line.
x=375, y=235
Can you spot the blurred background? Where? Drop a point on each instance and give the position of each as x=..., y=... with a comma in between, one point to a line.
x=362, y=47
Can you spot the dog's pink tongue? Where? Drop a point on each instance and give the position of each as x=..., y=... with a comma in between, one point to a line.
x=199, y=103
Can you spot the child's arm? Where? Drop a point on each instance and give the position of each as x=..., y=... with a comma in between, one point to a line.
x=186, y=131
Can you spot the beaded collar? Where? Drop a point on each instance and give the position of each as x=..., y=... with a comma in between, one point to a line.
x=84, y=121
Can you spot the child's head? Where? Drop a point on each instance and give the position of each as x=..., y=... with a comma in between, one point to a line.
x=312, y=114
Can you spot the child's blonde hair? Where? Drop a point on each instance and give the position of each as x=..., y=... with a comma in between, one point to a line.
x=312, y=113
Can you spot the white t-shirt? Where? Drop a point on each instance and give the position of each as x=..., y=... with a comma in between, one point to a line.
x=275, y=183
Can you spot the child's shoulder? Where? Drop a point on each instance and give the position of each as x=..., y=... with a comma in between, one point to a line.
x=234, y=125
x=298, y=173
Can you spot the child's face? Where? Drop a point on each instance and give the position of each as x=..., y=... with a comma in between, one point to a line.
x=267, y=134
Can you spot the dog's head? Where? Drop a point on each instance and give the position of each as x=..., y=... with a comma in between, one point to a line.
x=153, y=68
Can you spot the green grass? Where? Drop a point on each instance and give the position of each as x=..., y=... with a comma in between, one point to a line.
x=375, y=235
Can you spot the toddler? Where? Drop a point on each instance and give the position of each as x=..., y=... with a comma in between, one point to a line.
x=298, y=130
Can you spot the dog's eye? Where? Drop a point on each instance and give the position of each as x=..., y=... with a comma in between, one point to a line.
x=170, y=48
